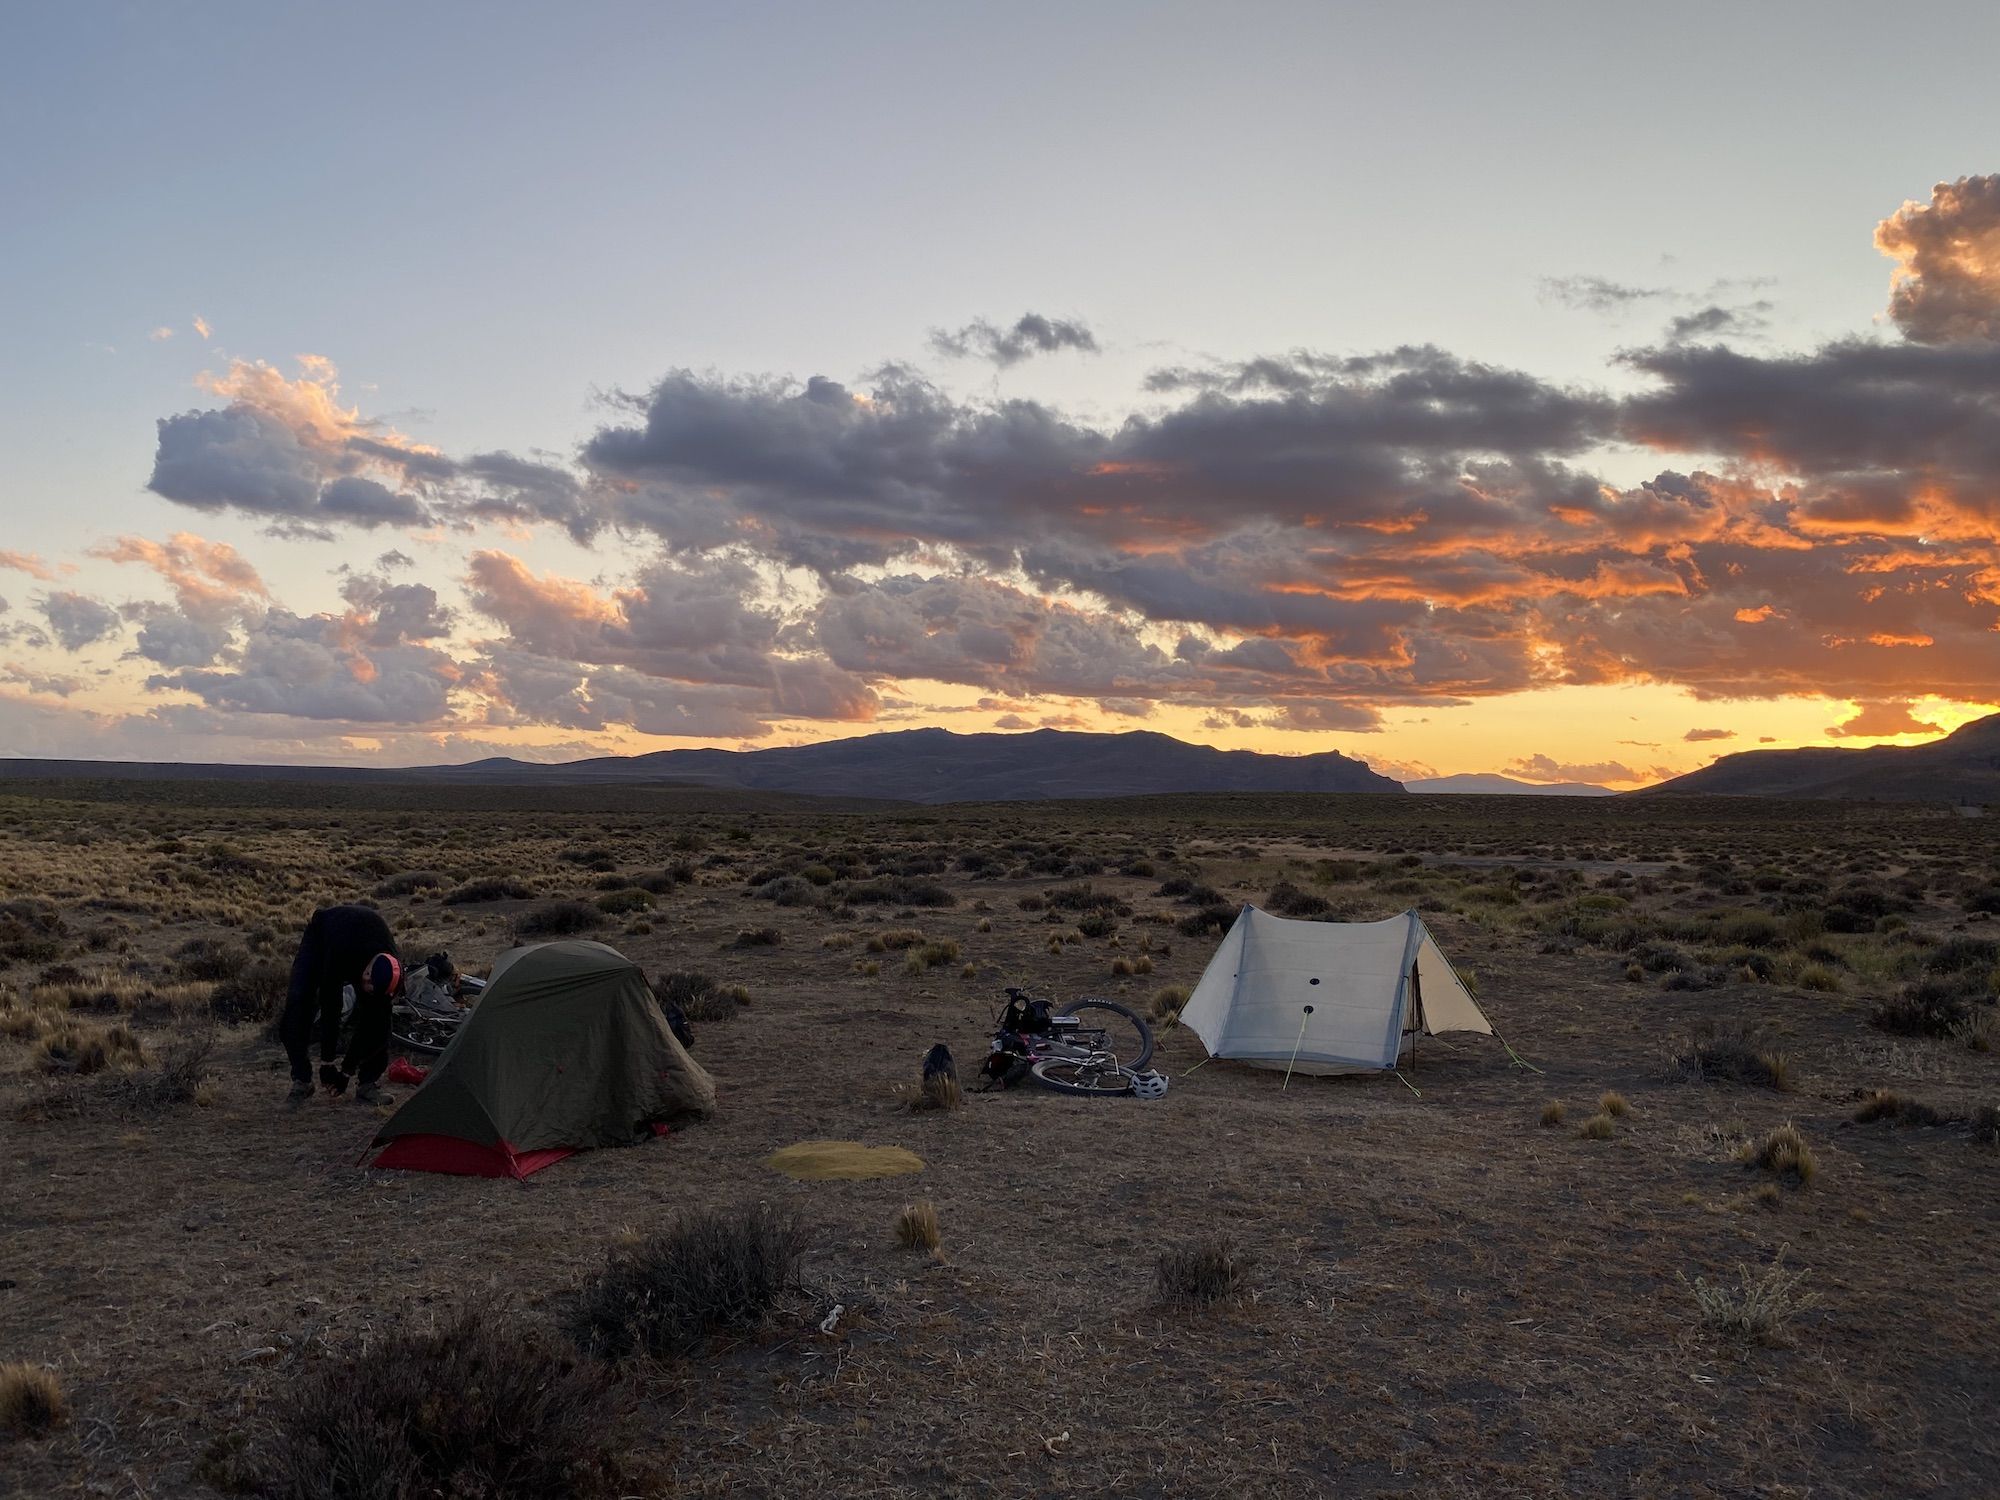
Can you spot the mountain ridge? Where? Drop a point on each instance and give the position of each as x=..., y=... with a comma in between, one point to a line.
x=1963, y=766
x=912, y=765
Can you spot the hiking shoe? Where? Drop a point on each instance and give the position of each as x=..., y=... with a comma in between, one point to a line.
x=302, y=1090
x=370, y=1093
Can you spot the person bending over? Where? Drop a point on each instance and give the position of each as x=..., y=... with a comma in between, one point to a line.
x=343, y=945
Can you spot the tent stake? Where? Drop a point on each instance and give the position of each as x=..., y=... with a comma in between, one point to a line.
x=1295, y=1049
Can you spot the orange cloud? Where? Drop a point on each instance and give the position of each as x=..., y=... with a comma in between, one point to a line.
x=29, y=563
x=209, y=578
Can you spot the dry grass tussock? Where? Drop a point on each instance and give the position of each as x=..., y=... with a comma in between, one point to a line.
x=1552, y=1113
x=31, y=1400
x=1758, y=1306
x=1195, y=1275
x=1784, y=1154
x=917, y=1226
x=1599, y=1127
x=476, y=1410
x=713, y=1272
x=1614, y=1104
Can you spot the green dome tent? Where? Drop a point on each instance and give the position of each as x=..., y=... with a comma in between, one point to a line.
x=566, y=1050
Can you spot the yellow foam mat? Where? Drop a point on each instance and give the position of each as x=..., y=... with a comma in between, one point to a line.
x=843, y=1161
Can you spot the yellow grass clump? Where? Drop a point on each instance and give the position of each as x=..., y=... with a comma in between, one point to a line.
x=917, y=1226
x=31, y=1400
x=842, y=1161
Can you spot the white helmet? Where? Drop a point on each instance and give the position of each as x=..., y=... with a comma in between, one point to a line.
x=1150, y=1084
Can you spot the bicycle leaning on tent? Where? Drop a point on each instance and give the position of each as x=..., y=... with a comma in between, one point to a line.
x=1091, y=1046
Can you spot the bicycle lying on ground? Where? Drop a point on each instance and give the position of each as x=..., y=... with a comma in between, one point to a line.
x=1091, y=1046
x=434, y=1003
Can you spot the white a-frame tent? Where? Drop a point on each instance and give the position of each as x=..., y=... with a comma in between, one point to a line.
x=1326, y=997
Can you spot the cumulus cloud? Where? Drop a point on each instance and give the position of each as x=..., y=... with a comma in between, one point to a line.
x=1882, y=720
x=1947, y=254
x=1298, y=539
x=288, y=451
x=1027, y=336
x=78, y=620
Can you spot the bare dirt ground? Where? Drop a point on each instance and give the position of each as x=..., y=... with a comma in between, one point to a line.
x=1446, y=1296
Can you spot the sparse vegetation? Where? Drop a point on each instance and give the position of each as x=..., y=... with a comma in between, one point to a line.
x=476, y=1409
x=712, y=1272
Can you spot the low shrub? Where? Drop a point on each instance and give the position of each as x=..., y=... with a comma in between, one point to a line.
x=558, y=919
x=623, y=902
x=496, y=888
x=1288, y=900
x=1097, y=924
x=1930, y=1007
x=410, y=882
x=1732, y=1056
x=1210, y=920
x=756, y=937
x=789, y=890
x=712, y=1272
x=1886, y=1104
x=1759, y=1306
x=476, y=1410
x=699, y=996
x=208, y=959
x=900, y=890
x=257, y=994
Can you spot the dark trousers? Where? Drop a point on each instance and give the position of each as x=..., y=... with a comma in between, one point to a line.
x=367, y=1044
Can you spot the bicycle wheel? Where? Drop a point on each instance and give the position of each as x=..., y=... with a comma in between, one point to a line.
x=1068, y=1075
x=1125, y=1031
x=420, y=1034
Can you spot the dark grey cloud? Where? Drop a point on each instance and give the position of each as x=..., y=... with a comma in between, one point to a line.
x=1715, y=320
x=170, y=637
x=1027, y=336
x=77, y=620
x=238, y=457
x=307, y=668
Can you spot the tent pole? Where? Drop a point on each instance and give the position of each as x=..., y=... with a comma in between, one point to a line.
x=1417, y=999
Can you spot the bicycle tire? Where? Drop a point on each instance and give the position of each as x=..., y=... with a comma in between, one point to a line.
x=1068, y=1076
x=1139, y=1025
x=427, y=1037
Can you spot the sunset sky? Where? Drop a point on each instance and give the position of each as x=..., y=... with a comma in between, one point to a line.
x=1613, y=389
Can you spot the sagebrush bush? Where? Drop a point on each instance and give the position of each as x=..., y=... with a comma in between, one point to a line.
x=1200, y=1273
x=497, y=888
x=558, y=919
x=1760, y=1305
x=756, y=937
x=210, y=959
x=699, y=995
x=712, y=1272
x=477, y=1410
x=410, y=882
x=256, y=994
